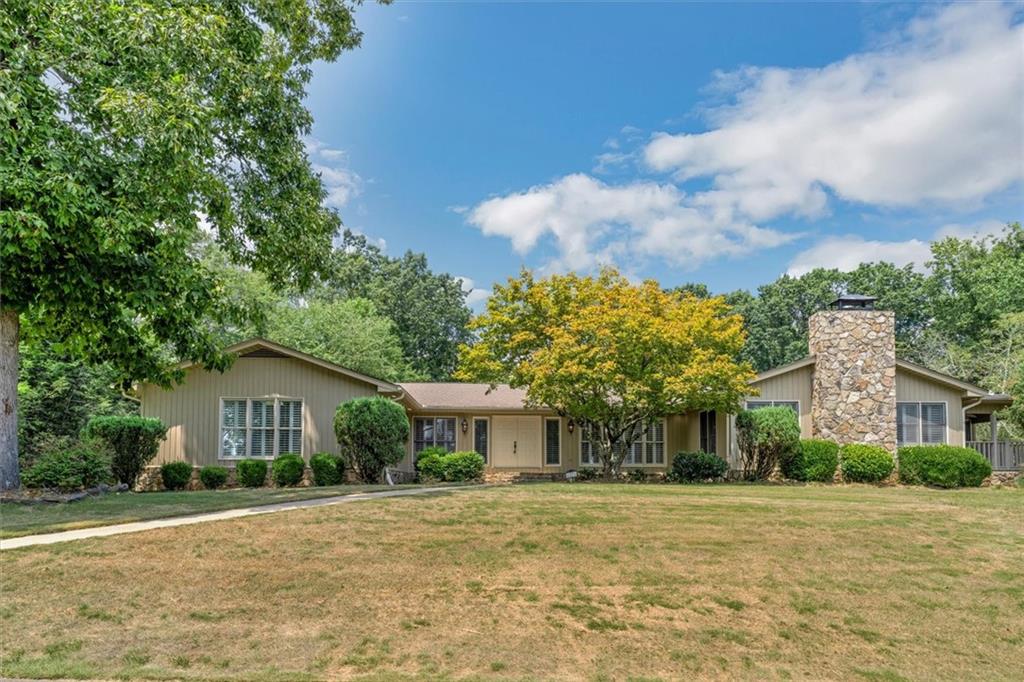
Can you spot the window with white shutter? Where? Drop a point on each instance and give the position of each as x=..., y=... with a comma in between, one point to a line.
x=260, y=427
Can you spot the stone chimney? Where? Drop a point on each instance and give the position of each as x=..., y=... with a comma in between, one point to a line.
x=853, y=396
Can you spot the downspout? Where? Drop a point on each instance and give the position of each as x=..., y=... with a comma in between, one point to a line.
x=963, y=417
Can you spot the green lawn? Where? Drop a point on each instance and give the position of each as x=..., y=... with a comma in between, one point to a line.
x=18, y=519
x=547, y=581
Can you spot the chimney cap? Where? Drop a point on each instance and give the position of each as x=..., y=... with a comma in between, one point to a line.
x=854, y=302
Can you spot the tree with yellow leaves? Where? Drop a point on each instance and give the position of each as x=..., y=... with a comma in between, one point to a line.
x=610, y=355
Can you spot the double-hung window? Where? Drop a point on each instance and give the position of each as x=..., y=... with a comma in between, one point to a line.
x=648, y=447
x=260, y=427
x=758, y=404
x=429, y=432
x=923, y=423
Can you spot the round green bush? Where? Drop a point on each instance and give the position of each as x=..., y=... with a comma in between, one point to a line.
x=132, y=441
x=251, y=473
x=372, y=433
x=812, y=460
x=430, y=463
x=688, y=467
x=766, y=437
x=82, y=465
x=288, y=469
x=176, y=475
x=945, y=466
x=213, y=477
x=327, y=468
x=462, y=466
x=862, y=463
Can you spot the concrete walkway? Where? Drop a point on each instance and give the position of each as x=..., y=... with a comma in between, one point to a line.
x=137, y=526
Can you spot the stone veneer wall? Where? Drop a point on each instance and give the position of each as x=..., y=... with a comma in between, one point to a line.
x=853, y=394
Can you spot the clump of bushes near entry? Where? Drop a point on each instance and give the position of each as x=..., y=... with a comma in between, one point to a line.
x=436, y=464
x=83, y=465
x=429, y=465
x=765, y=437
x=328, y=468
x=176, y=475
x=251, y=473
x=862, y=463
x=213, y=477
x=288, y=469
x=945, y=466
x=688, y=467
x=372, y=434
x=132, y=442
x=812, y=460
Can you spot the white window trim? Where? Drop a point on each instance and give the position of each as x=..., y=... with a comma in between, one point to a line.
x=545, y=427
x=799, y=407
x=486, y=455
x=664, y=454
x=248, y=426
x=412, y=435
x=920, y=425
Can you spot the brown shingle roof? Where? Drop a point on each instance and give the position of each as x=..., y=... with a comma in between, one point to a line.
x=458, y=396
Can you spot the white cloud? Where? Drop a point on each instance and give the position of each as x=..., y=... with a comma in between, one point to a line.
x=474, y=294
x=933, y=116
x=341, y=182
x=848, y=251
x=593, y=223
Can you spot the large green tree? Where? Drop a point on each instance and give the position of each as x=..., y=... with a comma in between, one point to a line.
x=610, y=355
x=428, y=309
x=124, y=122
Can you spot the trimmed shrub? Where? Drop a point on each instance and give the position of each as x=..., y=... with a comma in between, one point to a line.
x=636, y=476
x=587, y=474
x=83, y=465
x=372, y=433
x=462, y=466
x=133, y=442
x=176, y=475
x=251, y=473
x=288, y=469
x=765, y=437
x=430, y=465
x=696, y=466
x=862, y=463
x=812, y=460
x=945, y=466
x=328, y=468
x=213, y=477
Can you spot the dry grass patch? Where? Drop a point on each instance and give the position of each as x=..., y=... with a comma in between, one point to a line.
x=545, y=581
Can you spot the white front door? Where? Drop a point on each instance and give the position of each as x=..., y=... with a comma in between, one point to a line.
x=516, y=442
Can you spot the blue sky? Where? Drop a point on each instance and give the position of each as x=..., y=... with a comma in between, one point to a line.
x=723, y=143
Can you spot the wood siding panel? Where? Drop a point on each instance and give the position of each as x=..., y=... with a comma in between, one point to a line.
x=915, y=388
x=191, y=411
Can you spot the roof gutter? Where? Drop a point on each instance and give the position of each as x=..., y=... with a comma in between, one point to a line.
x=963, y=416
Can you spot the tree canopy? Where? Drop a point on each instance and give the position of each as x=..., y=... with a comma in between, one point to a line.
x=610, y=355
x=128, y=121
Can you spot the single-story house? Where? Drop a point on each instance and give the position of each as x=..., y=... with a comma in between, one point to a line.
x=851, y=387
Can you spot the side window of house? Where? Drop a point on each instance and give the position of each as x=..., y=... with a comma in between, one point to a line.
x=552, y=442
x=260, y=427
x=920, y=423
x=433, y=432
x=757, y=404
x=708, y=435
x=480, y=437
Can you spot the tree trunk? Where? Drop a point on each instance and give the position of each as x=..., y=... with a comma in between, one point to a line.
x=9, y=332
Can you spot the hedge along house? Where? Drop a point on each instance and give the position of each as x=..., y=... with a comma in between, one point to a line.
x=850, y=388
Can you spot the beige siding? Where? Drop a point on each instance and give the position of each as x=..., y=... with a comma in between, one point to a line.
x=191, y=411
x=912, y=387
x=795, y=385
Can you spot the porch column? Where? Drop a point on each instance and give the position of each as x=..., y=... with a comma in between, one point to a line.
x=994, y=428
